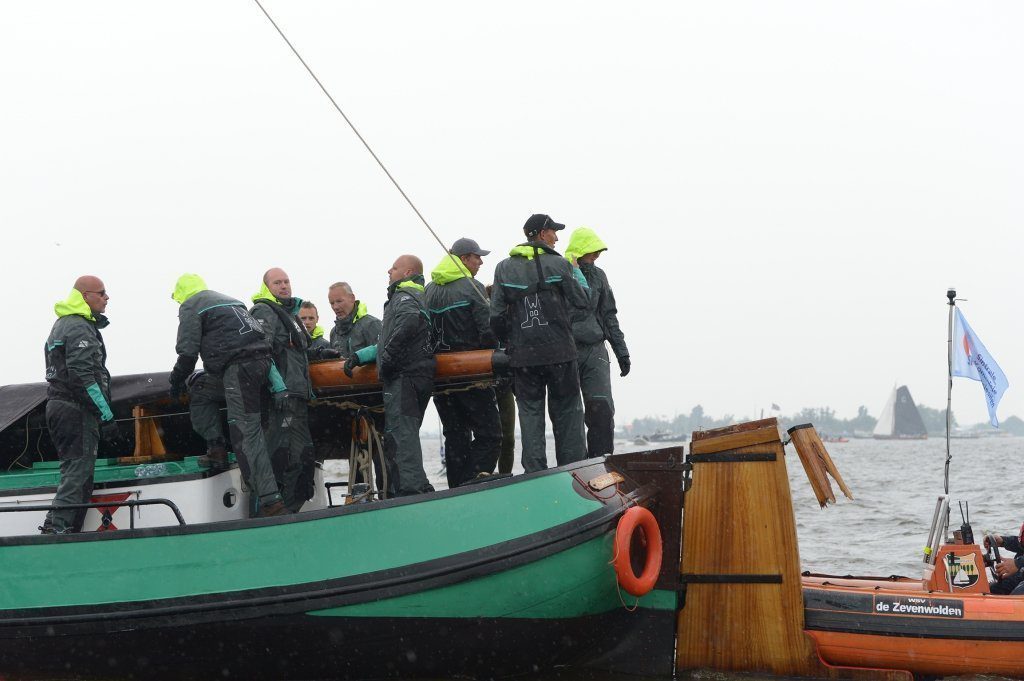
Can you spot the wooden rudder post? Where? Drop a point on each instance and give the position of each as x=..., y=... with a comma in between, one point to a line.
x=743, y=608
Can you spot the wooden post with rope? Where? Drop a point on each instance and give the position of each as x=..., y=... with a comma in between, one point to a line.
x=742, y=608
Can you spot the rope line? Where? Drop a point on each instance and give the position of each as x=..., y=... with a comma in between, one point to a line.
x=366, y=144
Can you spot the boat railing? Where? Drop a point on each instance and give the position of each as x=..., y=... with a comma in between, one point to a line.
x=130, y=503
x=938, y=528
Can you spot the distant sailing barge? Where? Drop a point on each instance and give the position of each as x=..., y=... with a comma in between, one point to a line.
x=900, y=419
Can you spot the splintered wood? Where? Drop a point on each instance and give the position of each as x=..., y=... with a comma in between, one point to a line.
x=817, y=464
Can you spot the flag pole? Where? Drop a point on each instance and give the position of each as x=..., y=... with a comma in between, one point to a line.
x=951, y=295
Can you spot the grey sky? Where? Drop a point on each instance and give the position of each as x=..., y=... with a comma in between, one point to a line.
x=786, y=188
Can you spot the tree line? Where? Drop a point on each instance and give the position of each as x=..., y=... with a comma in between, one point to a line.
x=824, y=419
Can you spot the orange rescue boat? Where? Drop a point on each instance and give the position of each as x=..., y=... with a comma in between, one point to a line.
x=945, y=624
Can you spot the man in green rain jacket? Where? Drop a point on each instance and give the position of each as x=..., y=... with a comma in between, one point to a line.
x=220, y=330
x=534, y=293
x=460, y=312
x=405, y=365
x=354, y=328
x=288, y=439
x=78, y=409
x=591, y=327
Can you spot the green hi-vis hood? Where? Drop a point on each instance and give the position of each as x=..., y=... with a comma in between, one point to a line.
x=318, y=332
x=188, y=285
x=583, y=241
x=416, y=286
x=74, y=304
x=448, y=270
x=526, y=251
x=360, y=311
x=265, y=294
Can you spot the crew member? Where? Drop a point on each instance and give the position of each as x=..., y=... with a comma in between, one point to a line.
x=205, y=400
x=220, y=330
x=78, y=412
x=405, y=364
x=534, y=290
x=289, y=441
x=459, y=311
x=319, y=346
x=507, y=414
x=354, y=329
x=1009, y=570
x=591, y=328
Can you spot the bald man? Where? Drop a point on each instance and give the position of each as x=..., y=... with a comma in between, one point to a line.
x=405, y=364
x=78, y=411
x=288, y=439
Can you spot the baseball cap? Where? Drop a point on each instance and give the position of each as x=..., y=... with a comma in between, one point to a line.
x=465, y=246
x=539, y=221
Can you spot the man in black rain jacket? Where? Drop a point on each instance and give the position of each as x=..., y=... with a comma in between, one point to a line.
x=535, y=291
x=220, y=330
x=591, y=328
x=354, y=327
x=460, y=313
x=78, y=403
x=405, y=365
x=288, y=438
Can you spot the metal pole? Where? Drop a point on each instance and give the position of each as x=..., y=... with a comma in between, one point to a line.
x=951, y=296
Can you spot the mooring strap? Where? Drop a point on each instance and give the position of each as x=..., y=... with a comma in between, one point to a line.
x=690, y=578
x=731, y=456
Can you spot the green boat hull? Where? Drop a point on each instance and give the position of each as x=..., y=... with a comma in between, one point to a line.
x=491, y=580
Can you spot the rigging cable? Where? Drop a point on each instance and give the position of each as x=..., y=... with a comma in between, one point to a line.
x=376, y=158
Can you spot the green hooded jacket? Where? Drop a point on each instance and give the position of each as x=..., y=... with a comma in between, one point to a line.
x=599, y=321
x=583, y=241
x=213, y=326
x=76, y=358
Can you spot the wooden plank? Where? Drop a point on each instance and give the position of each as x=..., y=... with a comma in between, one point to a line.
x=736, y=440
x=735, y=428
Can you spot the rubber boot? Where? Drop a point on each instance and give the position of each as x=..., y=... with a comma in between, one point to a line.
x=276, y=508
x=216, y=458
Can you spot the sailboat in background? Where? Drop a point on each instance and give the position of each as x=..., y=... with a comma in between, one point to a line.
x=900, y=419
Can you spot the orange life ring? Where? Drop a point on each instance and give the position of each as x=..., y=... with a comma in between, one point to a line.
x=634, y=517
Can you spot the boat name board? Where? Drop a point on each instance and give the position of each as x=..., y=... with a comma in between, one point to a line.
x=906, y=605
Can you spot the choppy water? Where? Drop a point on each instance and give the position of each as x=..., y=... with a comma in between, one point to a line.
x=882, y=531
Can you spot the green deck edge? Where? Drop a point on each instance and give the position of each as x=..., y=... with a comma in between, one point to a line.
x=47, y=473
x=306, y=551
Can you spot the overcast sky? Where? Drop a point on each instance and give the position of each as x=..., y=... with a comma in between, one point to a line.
x=786, y=188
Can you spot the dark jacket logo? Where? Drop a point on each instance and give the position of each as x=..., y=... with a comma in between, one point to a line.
x=534, y=315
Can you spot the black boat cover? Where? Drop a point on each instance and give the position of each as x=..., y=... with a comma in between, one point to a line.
x=19, y=399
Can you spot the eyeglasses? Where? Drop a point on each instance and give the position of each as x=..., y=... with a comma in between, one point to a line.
x=101, y=294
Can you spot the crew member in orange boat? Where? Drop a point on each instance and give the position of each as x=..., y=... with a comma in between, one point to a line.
x=1009, y=570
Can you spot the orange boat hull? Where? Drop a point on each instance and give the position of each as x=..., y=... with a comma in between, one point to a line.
x=924, y=632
